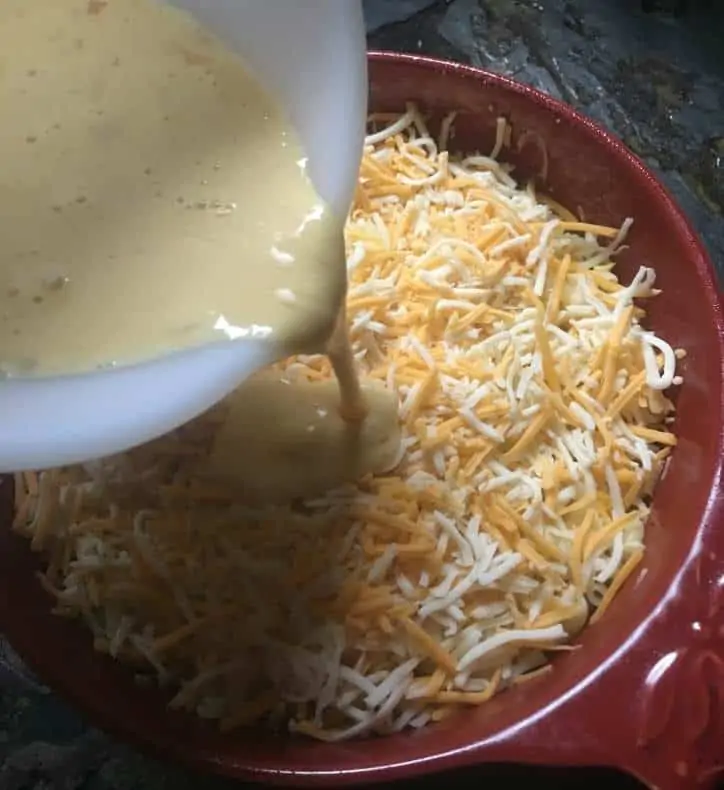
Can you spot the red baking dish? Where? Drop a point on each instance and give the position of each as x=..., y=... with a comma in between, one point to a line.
x=645, y=693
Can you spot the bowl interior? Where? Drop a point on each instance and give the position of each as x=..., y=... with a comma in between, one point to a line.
x=593, y=175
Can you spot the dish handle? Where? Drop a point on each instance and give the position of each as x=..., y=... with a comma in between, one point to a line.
x=666, y=724
x=675, y=729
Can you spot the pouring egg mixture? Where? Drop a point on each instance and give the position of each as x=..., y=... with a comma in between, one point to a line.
x=534, y=425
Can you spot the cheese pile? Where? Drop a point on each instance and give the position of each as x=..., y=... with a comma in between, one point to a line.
x=535, y=426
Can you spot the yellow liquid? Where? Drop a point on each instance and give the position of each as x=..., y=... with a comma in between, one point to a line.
x=152, y=195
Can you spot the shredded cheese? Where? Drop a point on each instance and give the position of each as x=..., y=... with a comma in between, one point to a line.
x=534, y=429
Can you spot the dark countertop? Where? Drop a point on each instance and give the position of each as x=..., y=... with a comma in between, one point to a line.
x=653, y=77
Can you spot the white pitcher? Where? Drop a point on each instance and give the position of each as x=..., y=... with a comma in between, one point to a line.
x=310, y=55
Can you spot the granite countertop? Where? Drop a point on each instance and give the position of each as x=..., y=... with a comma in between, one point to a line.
x=650, y=70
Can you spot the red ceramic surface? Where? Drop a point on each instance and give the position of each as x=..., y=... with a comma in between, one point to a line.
x=646, y=690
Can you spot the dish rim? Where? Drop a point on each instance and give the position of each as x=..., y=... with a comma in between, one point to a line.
x=518, y=740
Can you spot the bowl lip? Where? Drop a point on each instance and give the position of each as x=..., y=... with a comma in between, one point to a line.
x=436, y=759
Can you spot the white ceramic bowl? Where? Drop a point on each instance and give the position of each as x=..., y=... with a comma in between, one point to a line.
x=311, y=56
